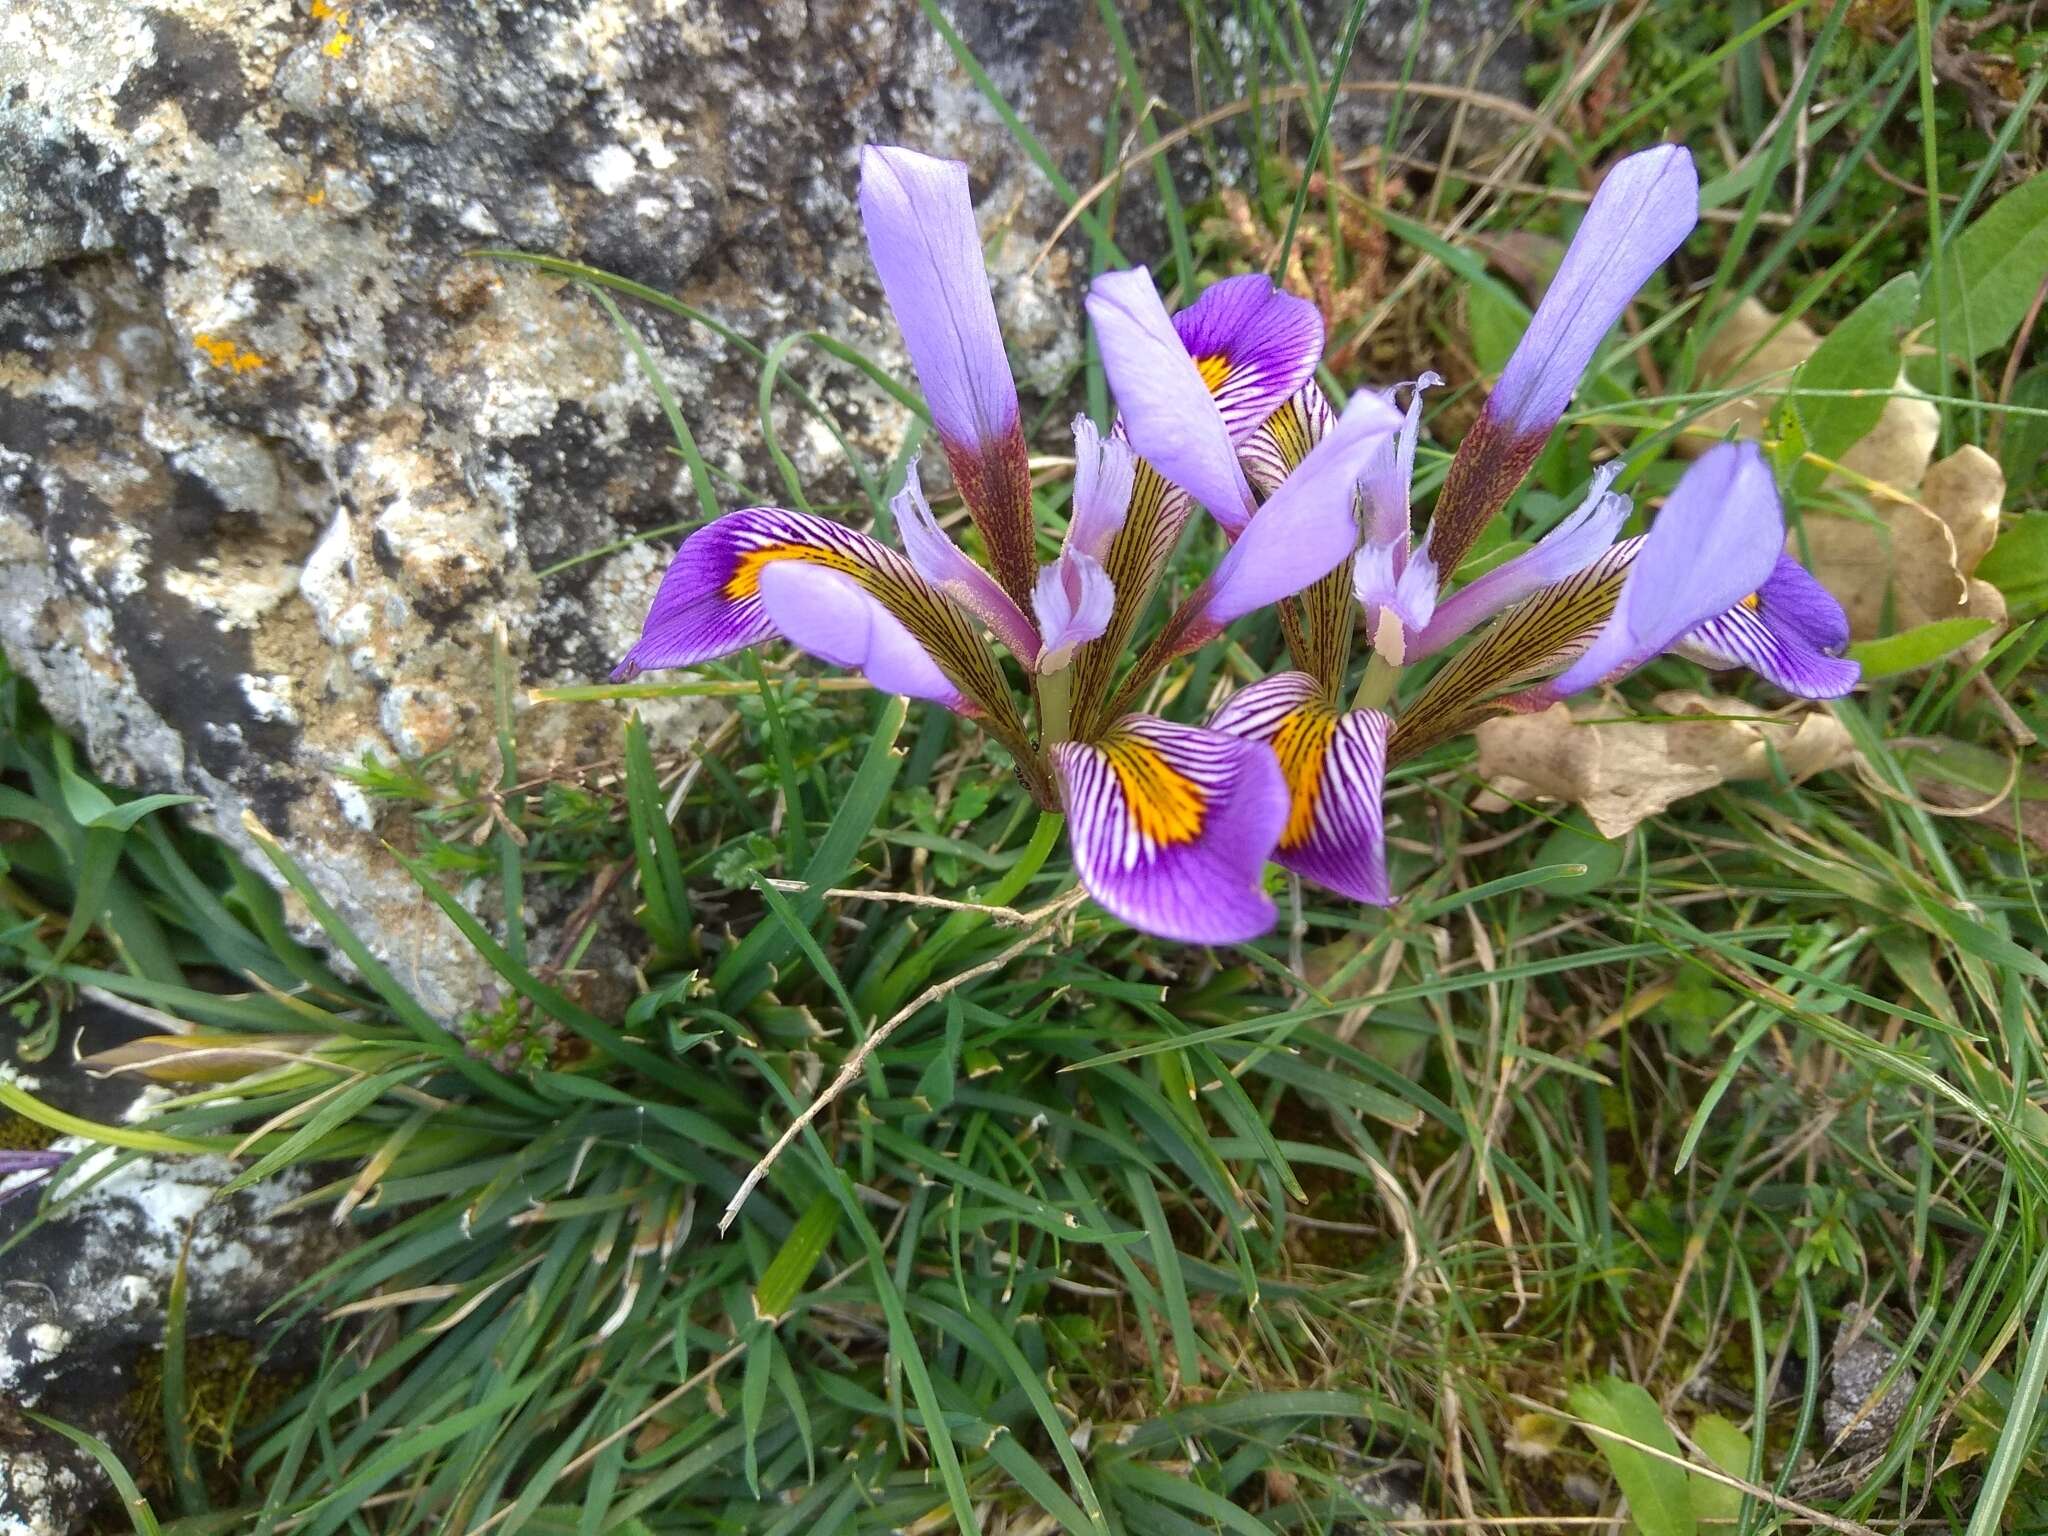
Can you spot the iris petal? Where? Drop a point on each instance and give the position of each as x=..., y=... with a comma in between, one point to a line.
x=1168, y=411
x=1643, y=211
x=1714, y=542
x=1285, y=437
x=710, y=603
x=1575, y=543
x=942, y=563
x=926, y=247
x=1253, y=344
x=1073, y=602
x=1171, y=826
x=1793, y=635
x=1335, y=767
x=1645, y=208
x=1309, y=527
x=1104, y=471
x=826, y=613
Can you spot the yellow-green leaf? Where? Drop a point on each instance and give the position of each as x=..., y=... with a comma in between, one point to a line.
x=783, y=1280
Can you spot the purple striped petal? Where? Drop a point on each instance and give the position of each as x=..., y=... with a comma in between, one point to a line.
x=1385, y=484
x=1285, y=437
x=1792, y=631
x=1104, y=471
x=1171, y=826
x=1253, y=345
x=1643, y=211
x=942, y=563
x=826, y=613
x=1335, y=766
x=1169, y=414
x=1713, y=544
x=1575, y=543
x=710, y=603
x=1073, y=601
x=921, y=233
x=1310, y=527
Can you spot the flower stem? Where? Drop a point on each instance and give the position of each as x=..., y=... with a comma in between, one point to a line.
x=1055, y=707
x=912, y=970
x=1377, y=686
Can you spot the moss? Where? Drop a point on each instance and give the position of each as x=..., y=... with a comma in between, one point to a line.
x=18, y=1133
x=229, y=1386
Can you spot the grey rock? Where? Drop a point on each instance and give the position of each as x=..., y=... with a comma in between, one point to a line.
x=1857, y=1416
x=279, y=454
x=83, y=1291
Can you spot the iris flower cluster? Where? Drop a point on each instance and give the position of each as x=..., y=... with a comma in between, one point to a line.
x=1171, y=825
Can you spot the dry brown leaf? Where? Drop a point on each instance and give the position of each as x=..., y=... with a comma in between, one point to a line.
x=1919, y=554
x=1624, y=772
x=1893, y=454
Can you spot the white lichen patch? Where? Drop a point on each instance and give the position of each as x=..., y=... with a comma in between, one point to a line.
x=270, y=698
x=610, y=168
x=237, y=595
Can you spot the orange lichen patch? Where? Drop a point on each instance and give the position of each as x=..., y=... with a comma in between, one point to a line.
x=1303, y=745
x=223, y=353
x=745, y=580
x=337, y=45
x=1214, y=370
x=1166, y=805
x=316, y=197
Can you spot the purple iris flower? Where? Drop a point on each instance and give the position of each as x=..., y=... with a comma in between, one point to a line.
x=1171, y=825
x=38, y=1165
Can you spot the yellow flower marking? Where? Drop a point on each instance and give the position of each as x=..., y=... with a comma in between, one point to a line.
x=223, y=353
x=1166, y=805
x=1303, y=745
x=1753, y=602
x=745, y=580
x=1215, y=370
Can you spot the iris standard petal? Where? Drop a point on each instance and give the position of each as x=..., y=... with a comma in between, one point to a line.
x=1335, y=766
x=1104, y=470
x=1391, y=470
x=1253, y=346
x=1309, y=527
x=942, y=563
x=825, y=613
x=926, y=246
x=927, y=249
x=1645, y=208
x=1643, y=211
x=22, y=1171
x=1168, y=413
x=1713, y=544
x=1073, y=603
x=1285, y=437
x=1584, y=535
x=1171, y=826
x=1792, y=631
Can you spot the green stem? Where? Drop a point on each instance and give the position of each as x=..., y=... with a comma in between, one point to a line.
x=911, y=972
x=1055, y=706
x=1377, y=686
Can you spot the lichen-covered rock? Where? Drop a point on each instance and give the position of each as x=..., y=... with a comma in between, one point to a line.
x=83, y=1292
x=279, y=453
